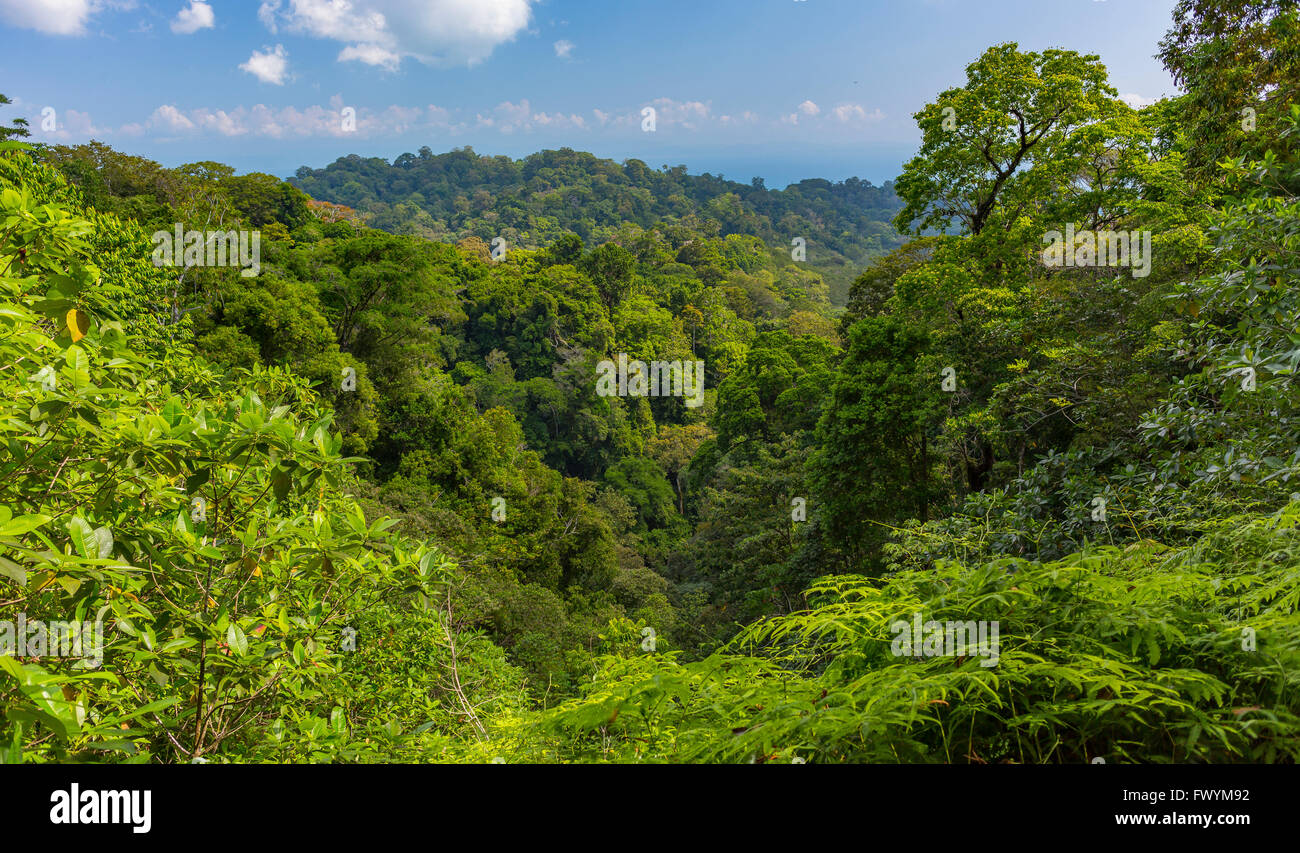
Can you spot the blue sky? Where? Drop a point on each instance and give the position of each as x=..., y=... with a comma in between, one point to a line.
x=784, y=89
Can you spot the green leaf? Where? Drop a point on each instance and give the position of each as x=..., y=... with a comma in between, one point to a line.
x=237, y=640
x=197, y=479
x=173, y=411
x=183, y=523
x=280, y=483
x=83, y=538
x=76, y=366
x=44, y=691
x=103, y=543
x=22, y=524
x=13, y=571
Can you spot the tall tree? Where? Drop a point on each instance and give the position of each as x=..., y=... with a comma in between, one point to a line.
x=872, y=462
x=1239, y=61
x=992, y=149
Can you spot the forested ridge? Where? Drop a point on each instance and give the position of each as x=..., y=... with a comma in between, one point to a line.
x=533, y=202
x=373, y=500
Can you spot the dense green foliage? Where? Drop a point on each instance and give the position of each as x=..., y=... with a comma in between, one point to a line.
x=371, y=505
x=537, y=200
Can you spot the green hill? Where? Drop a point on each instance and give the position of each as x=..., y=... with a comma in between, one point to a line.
x=534, y=201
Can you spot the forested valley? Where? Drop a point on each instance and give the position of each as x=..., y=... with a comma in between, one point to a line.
x=367, y=496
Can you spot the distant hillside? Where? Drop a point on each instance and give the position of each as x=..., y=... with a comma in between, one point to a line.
x=533, y=201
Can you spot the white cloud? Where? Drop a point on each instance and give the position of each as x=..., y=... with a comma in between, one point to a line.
x=508, y=118
x=807, y=109
x=291, y=122
x=383, y=32
x=194, y=17
x=851, y=112
x=69, y=125
x=1137, y=102
x=271, y=66
x=168, y=117
x=439, y=116
x=56, y=17
x=371, y=54
x=844, y=113
x=559, y=120
x=564, y=48
x=687, y=114
x=226, y=124
x=266, y=14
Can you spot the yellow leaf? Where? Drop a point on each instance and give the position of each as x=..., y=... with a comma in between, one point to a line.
x=78, y=324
